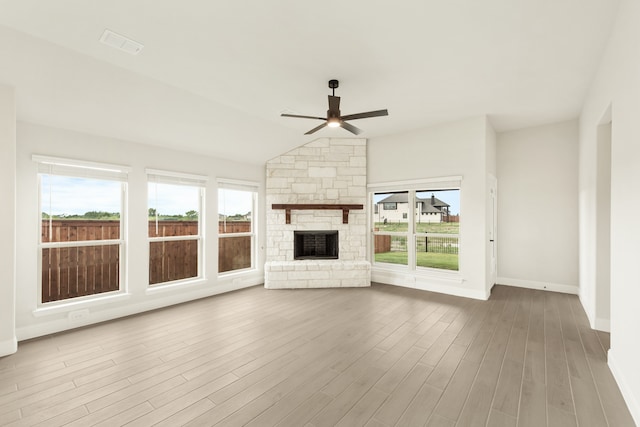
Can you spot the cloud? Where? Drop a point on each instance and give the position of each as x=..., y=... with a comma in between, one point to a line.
x=63, y=195
x=170, y=199
x=231, y=202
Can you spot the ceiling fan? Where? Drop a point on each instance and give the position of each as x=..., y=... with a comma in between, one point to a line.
x=334, y=119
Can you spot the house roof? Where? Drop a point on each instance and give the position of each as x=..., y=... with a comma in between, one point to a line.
x=395, y=198
x=214, y=77
x=428, y=205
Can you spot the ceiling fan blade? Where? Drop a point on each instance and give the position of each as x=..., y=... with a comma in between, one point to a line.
x=377, y=113
x=334, y=106
x=302, y=117
x=351, y=128
x=317, y=128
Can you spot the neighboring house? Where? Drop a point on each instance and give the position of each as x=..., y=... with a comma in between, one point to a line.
x=395, y=208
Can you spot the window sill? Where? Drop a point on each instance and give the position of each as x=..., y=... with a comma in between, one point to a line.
x=234, y=273
x=178, y=284
x=65, y=306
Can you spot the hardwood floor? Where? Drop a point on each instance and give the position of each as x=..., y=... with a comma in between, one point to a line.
x=379, y=356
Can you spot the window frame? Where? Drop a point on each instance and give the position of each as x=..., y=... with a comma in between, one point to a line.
x=158, y=176
x=65, y=167
x=254, y=189
x=411, y=235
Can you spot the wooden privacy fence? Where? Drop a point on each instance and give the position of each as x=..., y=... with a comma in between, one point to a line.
x=381, y=244
x=234, y=252
x=75, y=271
x=78, y=271
x=171, y=260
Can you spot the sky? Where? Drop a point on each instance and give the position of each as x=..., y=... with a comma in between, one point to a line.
x=75, y=196
x=231, y=202
x=62, y=195
x=170, y=199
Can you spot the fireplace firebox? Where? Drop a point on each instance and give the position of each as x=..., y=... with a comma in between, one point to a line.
x=315, y=244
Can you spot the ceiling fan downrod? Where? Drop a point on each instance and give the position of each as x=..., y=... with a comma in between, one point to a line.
x=333, y=85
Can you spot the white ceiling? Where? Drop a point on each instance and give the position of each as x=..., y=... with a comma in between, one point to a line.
x=214, y=76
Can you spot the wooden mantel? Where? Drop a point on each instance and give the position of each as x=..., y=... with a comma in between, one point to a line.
x=320, y=206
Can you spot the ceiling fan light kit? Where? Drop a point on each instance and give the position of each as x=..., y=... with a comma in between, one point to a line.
x=334, y=119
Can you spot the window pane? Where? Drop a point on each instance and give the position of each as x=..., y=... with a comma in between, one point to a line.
x=79, y=209
x=174, y=210
x=391, y=249
x=390, y=211
x=78, y=271
x=438, y=211
x=437, y=252
x=235, y=215
x=234, y=253
x=172, y=260
x=234, y=211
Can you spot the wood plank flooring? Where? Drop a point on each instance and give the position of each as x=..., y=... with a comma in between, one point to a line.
x=379, y=356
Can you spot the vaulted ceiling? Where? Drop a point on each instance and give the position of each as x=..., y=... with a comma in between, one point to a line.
x=214, y=76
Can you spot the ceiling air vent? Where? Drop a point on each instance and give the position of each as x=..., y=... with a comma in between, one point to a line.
x=121, y=42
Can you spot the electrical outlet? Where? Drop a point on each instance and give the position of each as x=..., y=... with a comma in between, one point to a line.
x=78, y=315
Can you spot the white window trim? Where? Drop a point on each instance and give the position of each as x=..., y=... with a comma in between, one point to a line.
x=438, y=183
x=92, y=170
x=158, y=176
x=253, y=187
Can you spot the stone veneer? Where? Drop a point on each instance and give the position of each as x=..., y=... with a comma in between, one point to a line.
x=329, y=171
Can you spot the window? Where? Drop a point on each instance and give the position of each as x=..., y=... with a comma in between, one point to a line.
x=390, y=229
x=390, y=206
x=437, y=234
x=176, y=216
x=236, y=227
x=427, y=239
x=82, y=219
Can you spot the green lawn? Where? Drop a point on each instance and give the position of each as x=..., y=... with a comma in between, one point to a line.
x=425, y=259
x=434, y=227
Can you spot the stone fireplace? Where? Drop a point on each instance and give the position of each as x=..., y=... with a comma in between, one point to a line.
x=316, y=197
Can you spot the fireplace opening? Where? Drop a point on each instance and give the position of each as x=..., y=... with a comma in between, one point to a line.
x=311, y=244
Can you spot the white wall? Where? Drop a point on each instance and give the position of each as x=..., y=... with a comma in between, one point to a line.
x=8, y=343
x=35, y=139
x=452, y=149
x=491, y=147
x=603, y=229
x=617, y=84
x=538, y=207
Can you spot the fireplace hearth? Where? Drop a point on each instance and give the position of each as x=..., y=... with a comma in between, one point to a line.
x=312, y=244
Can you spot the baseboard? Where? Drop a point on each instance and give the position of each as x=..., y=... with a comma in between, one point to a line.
x=440, y=285
x=629, y=398
x=603, y=325
x=103, y=314
x=8, y=347
x=545, y=286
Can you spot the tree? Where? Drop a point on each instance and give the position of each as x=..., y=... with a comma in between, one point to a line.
x=191, y=214
x=152, y=212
